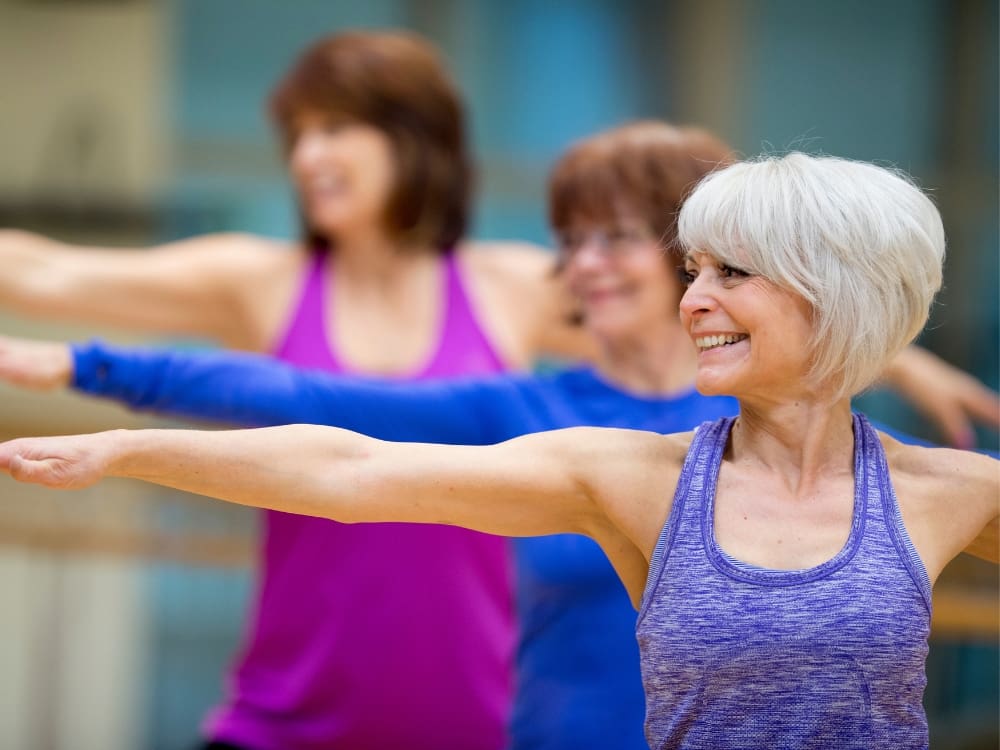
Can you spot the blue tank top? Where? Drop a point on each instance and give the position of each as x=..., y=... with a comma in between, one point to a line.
x=738, y=656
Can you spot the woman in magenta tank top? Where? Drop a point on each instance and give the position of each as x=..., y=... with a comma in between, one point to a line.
x=388, y=634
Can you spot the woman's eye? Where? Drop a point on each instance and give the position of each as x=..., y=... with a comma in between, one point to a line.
x=568, y=243
x=729, y=272
x=686, y=277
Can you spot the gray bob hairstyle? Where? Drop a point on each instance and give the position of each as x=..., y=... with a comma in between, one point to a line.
x=861, y=243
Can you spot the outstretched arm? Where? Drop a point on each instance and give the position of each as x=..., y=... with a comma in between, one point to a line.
x=187, y=287
x=607, y=484
x=253, y=390
x=950, y=398
x=531, y=485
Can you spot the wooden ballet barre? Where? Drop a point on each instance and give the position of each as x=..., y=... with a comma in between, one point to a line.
x=197, y=549
x=959, y=611
x=966, y=612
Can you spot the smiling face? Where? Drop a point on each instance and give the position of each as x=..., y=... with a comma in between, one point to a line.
x=620, y=277
x=754, y=338
x=343, y=171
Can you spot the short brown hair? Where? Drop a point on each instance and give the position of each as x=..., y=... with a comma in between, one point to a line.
x=394, y=81
x=647, y=167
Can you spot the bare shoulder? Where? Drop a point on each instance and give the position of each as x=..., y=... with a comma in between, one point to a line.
x=948, y=499
x=632, y=473
x=940, y=467
x=227, y=247
x=518, y=281
x=266, y=290
x=508, y=269
x=606, y=456
x=507, y=260
x=248, y=280
x=510, y=286
x=621, y=443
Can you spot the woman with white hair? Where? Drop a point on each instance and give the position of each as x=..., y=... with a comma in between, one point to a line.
x=781, y=561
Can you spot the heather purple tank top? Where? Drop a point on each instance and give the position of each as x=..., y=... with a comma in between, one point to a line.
x=376, y=636
x=738, y=656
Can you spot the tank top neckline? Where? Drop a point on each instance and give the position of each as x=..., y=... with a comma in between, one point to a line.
x=447, y=276
x=750, y=573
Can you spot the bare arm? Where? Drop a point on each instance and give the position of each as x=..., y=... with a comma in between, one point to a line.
x=950, y=501
x=526, y=486
x=196, y=286
x=582, y=480
x=950, y=398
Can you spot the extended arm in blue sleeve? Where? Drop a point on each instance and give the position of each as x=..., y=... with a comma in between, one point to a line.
x=254, y=390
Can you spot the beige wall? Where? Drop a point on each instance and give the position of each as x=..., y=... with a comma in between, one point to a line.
x=72, y=629
x=65, y=68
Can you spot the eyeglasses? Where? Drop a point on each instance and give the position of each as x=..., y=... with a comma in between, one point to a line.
x=610, y=243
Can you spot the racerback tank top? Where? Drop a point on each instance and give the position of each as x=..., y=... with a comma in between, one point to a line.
x=376, y=635
x=738, y=656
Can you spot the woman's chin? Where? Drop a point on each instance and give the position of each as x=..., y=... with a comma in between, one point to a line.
x=710, y=384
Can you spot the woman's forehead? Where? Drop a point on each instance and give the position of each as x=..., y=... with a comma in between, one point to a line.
x=604, y=216
x=699, y=255
x=732, y=254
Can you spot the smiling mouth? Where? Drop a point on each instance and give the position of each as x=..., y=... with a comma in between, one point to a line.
x=704, y=343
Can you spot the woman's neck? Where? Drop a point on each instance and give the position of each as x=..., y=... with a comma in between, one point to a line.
x=659, y=362
x=803, y=439
x=373, y=258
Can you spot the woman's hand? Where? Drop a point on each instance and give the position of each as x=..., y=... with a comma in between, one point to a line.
x=949, y=397
x=39, y=365
x=65, y=463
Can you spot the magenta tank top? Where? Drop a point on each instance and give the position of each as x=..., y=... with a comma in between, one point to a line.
x=376, y=636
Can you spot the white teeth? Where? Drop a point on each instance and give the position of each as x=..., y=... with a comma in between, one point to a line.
x=710, y=342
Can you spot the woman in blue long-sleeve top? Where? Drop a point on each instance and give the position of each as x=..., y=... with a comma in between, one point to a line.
x=613, y=201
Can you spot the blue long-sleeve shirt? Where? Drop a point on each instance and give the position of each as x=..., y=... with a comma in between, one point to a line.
x=578, y=662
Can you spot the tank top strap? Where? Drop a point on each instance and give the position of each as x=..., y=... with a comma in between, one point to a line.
x=462, y=345
x=304, y=339
x=696, y=483
x=872, y=468
x=458, y=308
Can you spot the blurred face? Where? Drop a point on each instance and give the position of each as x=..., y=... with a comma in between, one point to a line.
x=620, y=276
x=753, y=337
x=343, y=171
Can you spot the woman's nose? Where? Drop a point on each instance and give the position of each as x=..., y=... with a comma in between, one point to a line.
x=305, y=150
x=698, y=298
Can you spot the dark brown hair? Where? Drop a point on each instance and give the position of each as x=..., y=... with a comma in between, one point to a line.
x=396, y=82
x=645, y=168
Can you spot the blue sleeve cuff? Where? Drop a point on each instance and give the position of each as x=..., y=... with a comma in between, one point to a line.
x=91, y=369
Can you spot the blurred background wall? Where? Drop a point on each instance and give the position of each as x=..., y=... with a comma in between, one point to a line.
x=130, y=122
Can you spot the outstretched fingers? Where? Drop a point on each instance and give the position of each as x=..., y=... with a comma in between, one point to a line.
x=960, y=404
x=983, y=404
